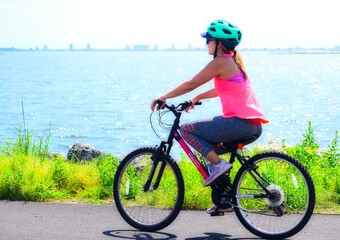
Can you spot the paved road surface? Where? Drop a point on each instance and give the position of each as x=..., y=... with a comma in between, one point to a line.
x=42, y=221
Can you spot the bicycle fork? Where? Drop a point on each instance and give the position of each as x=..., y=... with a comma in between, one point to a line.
x=157, y=158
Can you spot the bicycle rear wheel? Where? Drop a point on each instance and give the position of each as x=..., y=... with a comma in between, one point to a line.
x=155, y=208
x=292, y=201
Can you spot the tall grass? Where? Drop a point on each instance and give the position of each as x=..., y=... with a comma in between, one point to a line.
x=33, y=178
x=28, y=172
x=27, y=143
x=324, y=167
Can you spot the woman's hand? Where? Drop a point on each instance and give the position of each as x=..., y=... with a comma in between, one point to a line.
x=193, y=101
x=154, y=103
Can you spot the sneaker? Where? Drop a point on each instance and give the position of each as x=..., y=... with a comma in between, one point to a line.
x=220, y=210
x=217, y=170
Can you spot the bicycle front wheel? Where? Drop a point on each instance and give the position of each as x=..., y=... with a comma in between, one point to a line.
x=290, y=204
x=148, y=208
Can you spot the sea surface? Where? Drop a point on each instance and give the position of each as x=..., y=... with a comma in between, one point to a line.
x=103, y=98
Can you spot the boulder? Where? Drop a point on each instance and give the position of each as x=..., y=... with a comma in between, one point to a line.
x=81, y=152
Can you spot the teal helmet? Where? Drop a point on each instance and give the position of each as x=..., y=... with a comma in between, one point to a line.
x=227, y=33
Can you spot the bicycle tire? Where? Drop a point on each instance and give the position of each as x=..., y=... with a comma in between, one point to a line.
x=294, y=196
x=150, y=210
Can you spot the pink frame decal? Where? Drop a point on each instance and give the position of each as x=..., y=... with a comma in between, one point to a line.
x=191, y=155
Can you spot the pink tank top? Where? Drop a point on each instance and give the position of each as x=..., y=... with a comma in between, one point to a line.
x=237, y=98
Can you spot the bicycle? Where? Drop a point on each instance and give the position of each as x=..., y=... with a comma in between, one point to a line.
x=272, y=194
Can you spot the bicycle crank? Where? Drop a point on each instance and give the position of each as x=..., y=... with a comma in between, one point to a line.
x=220, y=193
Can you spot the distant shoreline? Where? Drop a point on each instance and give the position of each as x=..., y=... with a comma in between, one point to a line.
x=298, y=50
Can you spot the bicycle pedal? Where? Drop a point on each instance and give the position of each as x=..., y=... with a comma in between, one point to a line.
x=217, y=214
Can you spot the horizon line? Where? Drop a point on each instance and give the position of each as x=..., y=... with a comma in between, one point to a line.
x=145, y=47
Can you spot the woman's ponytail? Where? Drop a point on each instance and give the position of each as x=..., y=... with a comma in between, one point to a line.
x=240, y=63
x=237, y=58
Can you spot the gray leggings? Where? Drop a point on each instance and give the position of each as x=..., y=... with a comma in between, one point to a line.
x=202, y=134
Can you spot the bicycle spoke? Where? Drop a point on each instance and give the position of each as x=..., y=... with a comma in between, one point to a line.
x=290, y=203
x=152, y=208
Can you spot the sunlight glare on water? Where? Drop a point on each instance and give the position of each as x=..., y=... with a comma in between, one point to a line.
x=103, y=98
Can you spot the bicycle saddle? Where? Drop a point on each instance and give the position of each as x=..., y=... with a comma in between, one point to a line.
x=233, y=145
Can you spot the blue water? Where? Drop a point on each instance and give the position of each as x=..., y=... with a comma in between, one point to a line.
x=103, y=98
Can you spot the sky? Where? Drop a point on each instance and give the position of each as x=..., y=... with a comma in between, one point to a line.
x=117, y=23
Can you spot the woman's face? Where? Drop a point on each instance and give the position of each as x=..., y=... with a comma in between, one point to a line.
x=211, y=43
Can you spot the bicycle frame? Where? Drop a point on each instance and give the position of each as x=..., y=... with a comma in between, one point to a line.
x=258, y=192
x=166, y=146
x=191, y=155
x=174, y=134
x=234, y=155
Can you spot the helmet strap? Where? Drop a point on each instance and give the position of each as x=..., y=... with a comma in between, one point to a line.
x=217, y=42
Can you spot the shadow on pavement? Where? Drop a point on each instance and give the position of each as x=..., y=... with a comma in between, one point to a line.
x=139, y=235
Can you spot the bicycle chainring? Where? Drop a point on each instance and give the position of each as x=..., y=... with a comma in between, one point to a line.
x=220, y=196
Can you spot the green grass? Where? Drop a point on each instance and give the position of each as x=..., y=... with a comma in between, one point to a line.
x=324, y=167
x=34, y=178
x=28, y=172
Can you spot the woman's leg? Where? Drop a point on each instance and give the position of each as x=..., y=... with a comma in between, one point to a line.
x=202, y=134
x=212, y=157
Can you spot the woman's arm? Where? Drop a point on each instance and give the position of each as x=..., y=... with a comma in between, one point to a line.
x=205, y=95
x=204, y=76
x=181, y=89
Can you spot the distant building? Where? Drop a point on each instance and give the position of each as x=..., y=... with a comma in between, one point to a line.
x=88, y=46
x=70, y=47
x=141, y=47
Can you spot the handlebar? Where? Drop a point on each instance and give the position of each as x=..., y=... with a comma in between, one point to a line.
x=180, y=107
x=176, y=110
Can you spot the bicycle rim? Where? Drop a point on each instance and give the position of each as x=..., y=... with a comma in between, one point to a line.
x=153, y=209
x=291, y=205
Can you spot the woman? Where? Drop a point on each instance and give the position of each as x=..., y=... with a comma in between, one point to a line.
x=242, y=115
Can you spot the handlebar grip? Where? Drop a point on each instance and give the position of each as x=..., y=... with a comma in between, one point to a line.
x=186, y=104
x=159, y=104
x=196, y=103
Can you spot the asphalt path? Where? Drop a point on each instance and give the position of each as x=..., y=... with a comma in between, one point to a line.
x=31, y=220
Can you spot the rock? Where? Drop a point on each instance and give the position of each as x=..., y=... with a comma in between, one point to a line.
x=81, y=152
